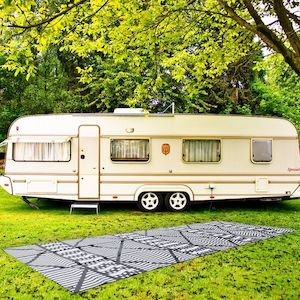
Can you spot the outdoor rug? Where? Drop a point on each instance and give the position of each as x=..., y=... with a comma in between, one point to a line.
x=84, y=263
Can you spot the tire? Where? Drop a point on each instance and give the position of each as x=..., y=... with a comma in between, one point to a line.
x=177, y=201
x=150, y=201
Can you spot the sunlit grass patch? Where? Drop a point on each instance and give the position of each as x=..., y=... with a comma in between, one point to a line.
x=268, y=269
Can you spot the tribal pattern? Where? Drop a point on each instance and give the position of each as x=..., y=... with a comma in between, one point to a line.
x=85, y=263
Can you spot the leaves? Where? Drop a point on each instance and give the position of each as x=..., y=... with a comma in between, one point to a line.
x=279, y=91
x=161, y=43
x=134, y=53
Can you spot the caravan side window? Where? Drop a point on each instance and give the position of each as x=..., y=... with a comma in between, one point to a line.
x=129, y=150
x=51, y=152
x=201, y=150
x=261, y=150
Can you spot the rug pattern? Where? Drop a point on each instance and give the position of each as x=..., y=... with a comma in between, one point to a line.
x=85, y=263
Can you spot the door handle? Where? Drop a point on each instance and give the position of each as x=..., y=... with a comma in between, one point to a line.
x=82, y=156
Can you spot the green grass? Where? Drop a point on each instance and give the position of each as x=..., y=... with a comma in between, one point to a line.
x=267, y=269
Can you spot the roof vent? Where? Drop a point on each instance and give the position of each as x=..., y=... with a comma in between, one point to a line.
x=130, y=111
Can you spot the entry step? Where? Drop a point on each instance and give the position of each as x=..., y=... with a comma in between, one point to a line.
x=85, y=205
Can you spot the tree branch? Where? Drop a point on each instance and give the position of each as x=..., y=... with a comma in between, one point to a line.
x=266, y=35
x=18, y=6
x=287, y=26
x=294, y=17
x=253, y=13
x=233, y=15
x=96, y=11
x=49, y=19
x=86, y=18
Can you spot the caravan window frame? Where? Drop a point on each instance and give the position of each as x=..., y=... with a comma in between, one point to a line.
x=251, y=152
x=202, y=139
x=42, y=161
x=130, y=161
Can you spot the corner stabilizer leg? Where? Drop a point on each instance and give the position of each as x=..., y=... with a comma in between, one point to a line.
x=32, y=205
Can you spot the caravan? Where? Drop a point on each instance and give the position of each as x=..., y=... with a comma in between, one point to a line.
x=153, y=159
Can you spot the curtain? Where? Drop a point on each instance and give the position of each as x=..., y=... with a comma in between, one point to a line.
x=42, y=151
x=201, y=150
x=130, y=150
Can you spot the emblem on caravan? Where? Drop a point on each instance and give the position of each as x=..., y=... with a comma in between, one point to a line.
x=165, y=149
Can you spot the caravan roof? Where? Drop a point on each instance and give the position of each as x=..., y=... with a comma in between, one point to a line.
x=155, y=125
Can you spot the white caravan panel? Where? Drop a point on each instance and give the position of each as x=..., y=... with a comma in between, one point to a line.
x=41, y=186
x=89, y=151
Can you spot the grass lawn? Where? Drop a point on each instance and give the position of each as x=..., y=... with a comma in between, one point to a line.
x=267, y=269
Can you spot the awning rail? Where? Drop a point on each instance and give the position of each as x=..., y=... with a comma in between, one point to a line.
x=36, y=139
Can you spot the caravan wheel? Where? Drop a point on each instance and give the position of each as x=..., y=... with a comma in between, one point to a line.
x=177, y=201
x=150, y=201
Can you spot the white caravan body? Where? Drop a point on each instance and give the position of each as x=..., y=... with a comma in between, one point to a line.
x=118, y=157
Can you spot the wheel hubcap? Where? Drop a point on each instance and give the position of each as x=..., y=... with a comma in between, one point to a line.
x=149, y=201
x=178, y=201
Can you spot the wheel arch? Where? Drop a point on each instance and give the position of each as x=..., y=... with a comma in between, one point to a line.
x=163, y=189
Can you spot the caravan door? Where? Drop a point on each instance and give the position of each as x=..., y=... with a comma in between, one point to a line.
x=89, y=160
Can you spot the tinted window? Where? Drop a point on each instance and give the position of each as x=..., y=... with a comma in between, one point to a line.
x=262, y=150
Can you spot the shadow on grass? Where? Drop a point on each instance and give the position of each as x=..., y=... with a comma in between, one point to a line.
x=218, y=206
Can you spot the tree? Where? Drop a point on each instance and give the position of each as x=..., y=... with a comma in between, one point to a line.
x=176, y=35
x=278, y=90
x=232, y=91
x=31, y=24
x=136, y=53
x=275, y=22
x=47, y=92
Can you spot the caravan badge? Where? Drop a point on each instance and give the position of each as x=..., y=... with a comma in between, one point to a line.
x=165, y=149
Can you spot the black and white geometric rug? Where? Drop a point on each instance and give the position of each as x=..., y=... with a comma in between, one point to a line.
x=84, y=263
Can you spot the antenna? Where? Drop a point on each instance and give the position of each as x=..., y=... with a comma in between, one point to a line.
x=172, y=105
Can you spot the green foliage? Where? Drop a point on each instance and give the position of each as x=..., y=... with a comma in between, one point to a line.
x=11, y=89
x=107, y=85
x=263, y=270
x=44, y=93
x=95, y=55
x=279, y=90
x=158, y=50
x=231, y=92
